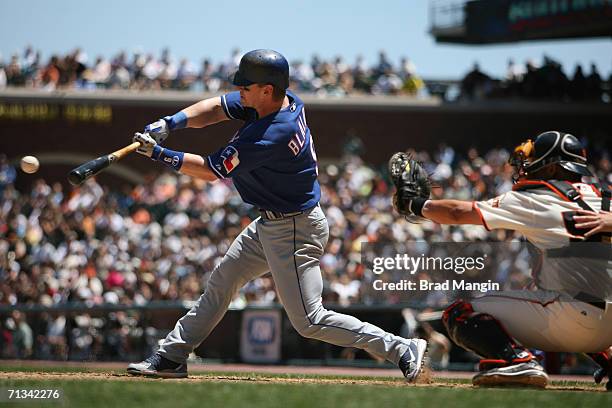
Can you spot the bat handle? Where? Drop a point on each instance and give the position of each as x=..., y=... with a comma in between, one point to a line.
x=119, y=154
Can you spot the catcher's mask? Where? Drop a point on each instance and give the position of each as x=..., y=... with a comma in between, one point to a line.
x=549, y=148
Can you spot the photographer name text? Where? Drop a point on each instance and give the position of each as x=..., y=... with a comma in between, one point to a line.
x=425, y=285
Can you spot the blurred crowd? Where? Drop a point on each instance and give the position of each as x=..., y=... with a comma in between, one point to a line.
x=333, y=77
x=161, y=239
x=547, y=81
x=145, y=71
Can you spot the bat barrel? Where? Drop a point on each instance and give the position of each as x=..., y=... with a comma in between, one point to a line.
x=93, y=167
x=86, y=170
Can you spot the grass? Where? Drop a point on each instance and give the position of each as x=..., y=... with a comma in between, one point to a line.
x=251, y=390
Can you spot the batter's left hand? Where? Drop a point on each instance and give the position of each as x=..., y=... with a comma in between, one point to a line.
x=158, y=130
x=595, y=222
x=147, y=143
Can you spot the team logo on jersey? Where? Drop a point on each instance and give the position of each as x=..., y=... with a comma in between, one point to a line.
x=496, y=202
x=583, y=188
x=230, y=158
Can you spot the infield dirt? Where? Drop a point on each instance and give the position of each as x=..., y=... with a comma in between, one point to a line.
x=427, y=378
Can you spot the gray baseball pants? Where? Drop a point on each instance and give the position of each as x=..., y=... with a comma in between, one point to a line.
x=290, y=248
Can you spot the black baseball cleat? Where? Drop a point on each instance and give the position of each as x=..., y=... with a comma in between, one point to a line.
x=411, y=362
x=158, y=366
x=599, y=375
x=605, y=368
x=529, y=374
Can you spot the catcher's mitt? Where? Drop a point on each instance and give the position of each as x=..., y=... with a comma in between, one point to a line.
x=413, y=186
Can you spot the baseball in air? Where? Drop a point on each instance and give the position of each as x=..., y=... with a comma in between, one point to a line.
x=29, y=164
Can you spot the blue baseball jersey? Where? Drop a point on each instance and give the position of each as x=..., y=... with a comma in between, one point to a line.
x=271, y=160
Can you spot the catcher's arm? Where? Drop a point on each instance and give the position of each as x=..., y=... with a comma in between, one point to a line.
x=413, y=189
x=452, y=212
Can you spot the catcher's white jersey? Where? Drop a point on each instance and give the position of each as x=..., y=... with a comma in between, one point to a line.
x=537, y=213
x=545, y=219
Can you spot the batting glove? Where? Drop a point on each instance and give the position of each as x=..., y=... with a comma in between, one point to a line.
x=158, y=130
x=147, y=143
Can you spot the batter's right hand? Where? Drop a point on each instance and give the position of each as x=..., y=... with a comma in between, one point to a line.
x=147, y=143
x=158, y=130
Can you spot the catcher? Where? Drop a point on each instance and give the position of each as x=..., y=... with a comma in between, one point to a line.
x=571, y=310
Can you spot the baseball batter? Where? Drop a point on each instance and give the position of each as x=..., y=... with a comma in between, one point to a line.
x=273, y=164
x=572, y=309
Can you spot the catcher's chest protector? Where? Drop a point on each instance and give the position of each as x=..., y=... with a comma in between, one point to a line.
x=568, y=192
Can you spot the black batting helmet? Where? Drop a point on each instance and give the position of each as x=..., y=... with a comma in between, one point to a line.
x=262, y=67
x=552, y=147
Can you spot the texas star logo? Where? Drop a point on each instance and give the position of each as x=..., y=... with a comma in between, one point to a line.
x=230, y=158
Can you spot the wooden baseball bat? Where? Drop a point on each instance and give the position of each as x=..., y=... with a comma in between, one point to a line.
x=93, y=167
